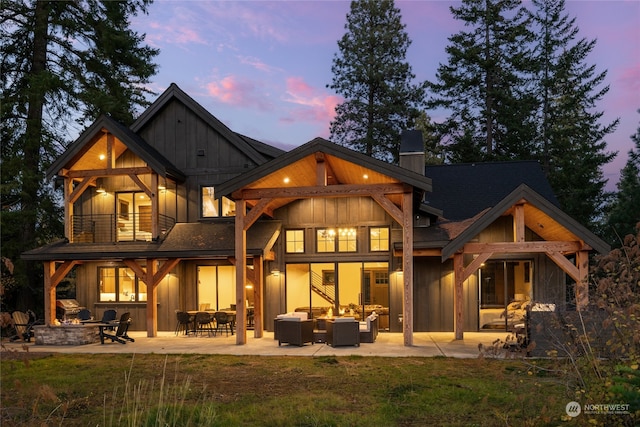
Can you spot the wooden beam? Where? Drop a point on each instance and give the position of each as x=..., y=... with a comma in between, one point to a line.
x=80, y=188
x=49, y=293
x=562, y=262
x=258, y=303
x=521, y=247
x=582, y=285
x=321, y=170
x=111, y=161
x=422, y=252
x=254, y=214
x=68, y=209
x=386, y=204
x=407, y=267
x=98, y=173
x=475, y=265
x=347, y=190
x=518, y=223
x=152, y=298
x=241, y=278
x=142, y=185
x=52, y=277
x=458, y=295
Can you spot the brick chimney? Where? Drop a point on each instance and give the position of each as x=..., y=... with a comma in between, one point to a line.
x=412, y=151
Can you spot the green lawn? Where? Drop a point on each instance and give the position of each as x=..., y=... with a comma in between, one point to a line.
x=215, y=390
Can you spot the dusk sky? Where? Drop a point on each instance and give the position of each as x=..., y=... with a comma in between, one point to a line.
x=262, y=67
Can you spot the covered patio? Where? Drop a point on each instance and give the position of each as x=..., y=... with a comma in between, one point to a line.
x=425, y=344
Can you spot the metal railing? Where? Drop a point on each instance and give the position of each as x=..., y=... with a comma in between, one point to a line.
x=108, y=228
x=325, y=290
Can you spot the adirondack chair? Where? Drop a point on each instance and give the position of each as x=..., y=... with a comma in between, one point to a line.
x=120, y=334
x=23, y=323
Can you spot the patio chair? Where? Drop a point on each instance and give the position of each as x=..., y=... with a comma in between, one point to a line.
x=204, y=322
x=184, y=322
x=293, y=330
x=121, y=333
x=84, y=314
x=343, y=331
x=23, y=324
x=223, y=322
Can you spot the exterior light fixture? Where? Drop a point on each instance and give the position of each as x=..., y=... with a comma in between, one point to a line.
x=100, y=190
x=286, y=180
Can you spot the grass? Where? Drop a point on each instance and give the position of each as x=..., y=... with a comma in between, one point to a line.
x=221, y=390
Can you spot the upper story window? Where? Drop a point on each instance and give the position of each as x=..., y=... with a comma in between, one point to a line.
x=378, y=239
x=120, y=284
x=294, y=241
x=347, y=240
x=212, y=207
x=325, y=240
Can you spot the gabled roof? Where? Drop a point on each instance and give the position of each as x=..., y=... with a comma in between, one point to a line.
x=346, y=167
x=131, y=140
x=541, y=216
x=462, y=190
x=175, y=93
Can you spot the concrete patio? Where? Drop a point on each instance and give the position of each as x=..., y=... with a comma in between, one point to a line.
x=425, y=344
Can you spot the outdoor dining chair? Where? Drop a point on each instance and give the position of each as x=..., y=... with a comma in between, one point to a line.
x=223, y=322
x=184, y=322
x=204, y=322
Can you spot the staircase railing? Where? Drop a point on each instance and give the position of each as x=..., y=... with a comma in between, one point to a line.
x=326, y=290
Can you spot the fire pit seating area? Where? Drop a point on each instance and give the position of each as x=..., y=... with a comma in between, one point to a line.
x=293, y=328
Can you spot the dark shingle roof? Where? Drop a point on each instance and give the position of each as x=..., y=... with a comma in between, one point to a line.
x=463, y=190
x=184, y=240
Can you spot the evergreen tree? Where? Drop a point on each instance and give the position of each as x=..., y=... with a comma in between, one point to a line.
x=61, y=62
x=624, y=211
x=433, y=150
x=571, y=139
x=371, y=74
x=484, y=85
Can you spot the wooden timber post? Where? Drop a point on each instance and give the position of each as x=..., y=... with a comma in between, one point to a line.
x=52, y=277
x=407, y=267
x=257, y=296
x=152, y=298
x=241, y=274
x=458, y=295
x=582, y=284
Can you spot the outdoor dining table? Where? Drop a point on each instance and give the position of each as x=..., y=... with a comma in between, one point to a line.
x=231, y=314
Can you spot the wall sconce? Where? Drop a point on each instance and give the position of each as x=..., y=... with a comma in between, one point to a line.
x=100, y=190
x=162, y=186
x=275, y=272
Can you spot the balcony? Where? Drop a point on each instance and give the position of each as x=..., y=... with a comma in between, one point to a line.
x=109, y=228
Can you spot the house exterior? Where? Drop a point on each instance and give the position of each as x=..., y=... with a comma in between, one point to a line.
x=178, y=211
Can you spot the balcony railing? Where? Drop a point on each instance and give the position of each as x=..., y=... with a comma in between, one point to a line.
x=108, y=228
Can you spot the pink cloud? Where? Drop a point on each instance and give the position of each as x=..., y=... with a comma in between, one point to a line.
x=257, y=64
x=174, y=34
x=311, y=104
x=235, y=91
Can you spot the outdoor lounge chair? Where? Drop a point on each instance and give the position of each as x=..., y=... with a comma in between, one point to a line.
x=121, y=333
x=343, y=331
x=369, y=329
x=23, y=323
x=294, y=330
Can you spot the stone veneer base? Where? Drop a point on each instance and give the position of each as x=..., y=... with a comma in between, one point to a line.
x=66, y=334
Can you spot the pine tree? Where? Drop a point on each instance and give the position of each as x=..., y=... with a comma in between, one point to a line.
x=62, y=63
x=371, y=74
x=571, y=139
x=624, y=212
x=484, y=86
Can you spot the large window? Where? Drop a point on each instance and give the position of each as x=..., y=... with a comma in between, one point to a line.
x=212, y=207
x=120, y=284
x=295, y=241
x=347, y=240
x=378, y=239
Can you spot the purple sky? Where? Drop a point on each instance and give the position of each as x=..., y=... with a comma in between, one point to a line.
x=262, y=67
